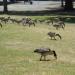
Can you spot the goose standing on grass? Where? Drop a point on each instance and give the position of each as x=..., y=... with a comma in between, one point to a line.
x=44, y=52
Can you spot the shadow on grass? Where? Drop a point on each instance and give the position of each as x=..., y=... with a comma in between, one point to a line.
x=48, y=60
x=42, y=13
x=45, y=60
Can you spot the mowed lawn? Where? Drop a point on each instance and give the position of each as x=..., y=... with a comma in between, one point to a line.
x=17, y=44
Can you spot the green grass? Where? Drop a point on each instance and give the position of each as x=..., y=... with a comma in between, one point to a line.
x=17, y=44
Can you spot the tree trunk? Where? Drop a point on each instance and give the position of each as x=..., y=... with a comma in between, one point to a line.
x=62, y=4
x=69, y=4
x=5, y=6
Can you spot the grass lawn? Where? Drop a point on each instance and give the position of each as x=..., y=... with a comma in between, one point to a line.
x=17, y=44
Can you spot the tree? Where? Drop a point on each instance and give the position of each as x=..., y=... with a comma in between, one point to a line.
x=62, y=4
x=69, y=4
x=5, y=6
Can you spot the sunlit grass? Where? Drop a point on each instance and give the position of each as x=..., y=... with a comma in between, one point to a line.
x=17, y=44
